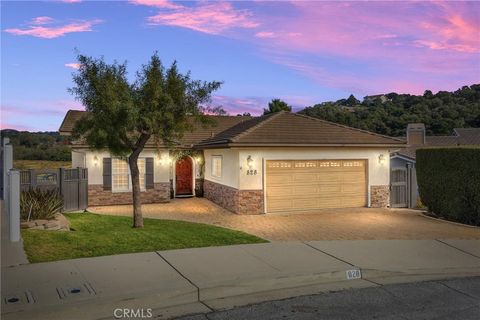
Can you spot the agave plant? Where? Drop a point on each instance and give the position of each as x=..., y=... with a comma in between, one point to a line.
x=40, y=204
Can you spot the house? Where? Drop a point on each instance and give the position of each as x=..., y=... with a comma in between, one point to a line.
x=281, y=162
x=402, y=161
x=383, y=98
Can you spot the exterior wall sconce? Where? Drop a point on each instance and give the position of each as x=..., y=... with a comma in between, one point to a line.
x=249, y=162
x=381, y=159
x=198, y=159
x=164, y=160
x=95, y=161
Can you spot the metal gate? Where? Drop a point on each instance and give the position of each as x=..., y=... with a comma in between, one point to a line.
x=71, y=184
x=399, y=187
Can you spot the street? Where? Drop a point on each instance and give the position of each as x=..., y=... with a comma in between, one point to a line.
x=445, y=299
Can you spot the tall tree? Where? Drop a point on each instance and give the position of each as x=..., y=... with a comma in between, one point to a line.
x=352, y=101
x=277, y=105
x=123, y=116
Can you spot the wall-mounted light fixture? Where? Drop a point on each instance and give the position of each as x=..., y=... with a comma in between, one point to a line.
x=381, y=159
x=95, y=161
x=164, y=160
x=249, y=162
x=198, y=159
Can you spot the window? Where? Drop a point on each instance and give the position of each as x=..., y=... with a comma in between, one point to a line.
x=121, y=180
x=217, y=166
x=120, y=175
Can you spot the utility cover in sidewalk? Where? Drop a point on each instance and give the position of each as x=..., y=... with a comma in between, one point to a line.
x=19, y=298
x=81, y=290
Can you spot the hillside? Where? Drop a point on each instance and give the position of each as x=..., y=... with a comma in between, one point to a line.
x=390, y=113
x=49, y=146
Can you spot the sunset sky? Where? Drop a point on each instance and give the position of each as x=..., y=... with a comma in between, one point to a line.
x=302, y=52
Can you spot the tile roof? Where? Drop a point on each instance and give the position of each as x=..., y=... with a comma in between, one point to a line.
x=462, y=137
x=292, y=129
x=468, y=136
x=199, y=133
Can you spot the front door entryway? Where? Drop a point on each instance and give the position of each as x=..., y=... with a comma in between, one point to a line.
x=183, y=177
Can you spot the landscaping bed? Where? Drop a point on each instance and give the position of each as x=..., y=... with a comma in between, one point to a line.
x=95, y=235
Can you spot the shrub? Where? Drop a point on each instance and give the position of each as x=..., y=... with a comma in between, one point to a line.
x=40, y=204
x=449, y=182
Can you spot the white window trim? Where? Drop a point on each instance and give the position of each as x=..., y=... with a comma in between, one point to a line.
x=221, y=166
x=129, y=189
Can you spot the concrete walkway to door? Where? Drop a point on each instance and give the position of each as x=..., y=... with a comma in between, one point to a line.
x=331, y=224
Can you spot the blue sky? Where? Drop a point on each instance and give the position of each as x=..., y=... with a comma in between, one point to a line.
x=302, y=52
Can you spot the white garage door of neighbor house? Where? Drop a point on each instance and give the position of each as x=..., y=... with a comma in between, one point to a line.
x=306, y=185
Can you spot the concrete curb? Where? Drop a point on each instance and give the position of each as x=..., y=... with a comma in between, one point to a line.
x=447, y=221
x=177, y=282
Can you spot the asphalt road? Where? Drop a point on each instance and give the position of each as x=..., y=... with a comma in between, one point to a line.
x=445, y=299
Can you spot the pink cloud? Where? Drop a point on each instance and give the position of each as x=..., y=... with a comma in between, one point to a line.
x=71, y=1
x=72, y=65
x=206, y=17
x=54, y=31
x=409, y=46
x=265, y=34
x=24, y=115
x=157, y=3
x=41, y=20
x=18, y=127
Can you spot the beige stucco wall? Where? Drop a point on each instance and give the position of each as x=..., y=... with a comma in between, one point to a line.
x=86, y=158
x=230, y=166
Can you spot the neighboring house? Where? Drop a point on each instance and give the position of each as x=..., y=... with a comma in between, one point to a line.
x=281, y=162
x=402, y=161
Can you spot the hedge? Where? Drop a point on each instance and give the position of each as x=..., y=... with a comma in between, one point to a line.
x=449, y=182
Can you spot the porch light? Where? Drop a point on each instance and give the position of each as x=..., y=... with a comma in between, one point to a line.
x=249, y=162
x=381, y=159
x=164, y=160
x=95, y=161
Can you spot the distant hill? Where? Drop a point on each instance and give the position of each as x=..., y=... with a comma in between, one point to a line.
x=38, y=145
x=390, y=113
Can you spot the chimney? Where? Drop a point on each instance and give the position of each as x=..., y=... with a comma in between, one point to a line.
x=416, y=134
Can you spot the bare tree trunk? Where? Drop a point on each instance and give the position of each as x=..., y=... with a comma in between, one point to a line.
x=137, y=201
x=132, y=161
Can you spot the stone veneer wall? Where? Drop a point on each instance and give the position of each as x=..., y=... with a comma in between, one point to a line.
x=237, y=201
x=98, y=197
x=379, y=196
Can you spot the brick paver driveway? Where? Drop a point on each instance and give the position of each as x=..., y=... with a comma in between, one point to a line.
x=332, y=224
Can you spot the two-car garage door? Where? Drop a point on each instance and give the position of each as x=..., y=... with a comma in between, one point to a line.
x=305, y=185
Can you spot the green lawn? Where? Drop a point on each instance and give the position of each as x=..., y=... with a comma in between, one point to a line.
x=100, y=235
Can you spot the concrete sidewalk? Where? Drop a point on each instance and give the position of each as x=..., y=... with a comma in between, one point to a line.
x=200, y=280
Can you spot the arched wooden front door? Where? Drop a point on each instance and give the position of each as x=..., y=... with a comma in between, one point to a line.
x=183, y=176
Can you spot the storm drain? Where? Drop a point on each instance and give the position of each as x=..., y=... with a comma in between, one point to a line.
x=19, y=298
x=77, y=291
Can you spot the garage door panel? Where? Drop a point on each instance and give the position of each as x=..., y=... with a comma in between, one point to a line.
x=280, y=191
x=281, y=205
x=329, y=190
x=352, y=188
x=280, y=179
x=305, y=203
x=299, y=185
x=308, y=190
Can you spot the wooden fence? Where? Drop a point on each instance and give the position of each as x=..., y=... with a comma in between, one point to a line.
x=71, y=184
